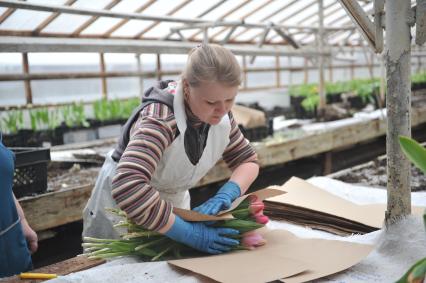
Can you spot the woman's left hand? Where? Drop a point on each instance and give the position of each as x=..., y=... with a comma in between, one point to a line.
x=30, y=236
x=221, y=200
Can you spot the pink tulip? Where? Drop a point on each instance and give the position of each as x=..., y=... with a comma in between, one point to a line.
x=256, y=207
x=253, y=198
x=252, y=239
x=261, y=219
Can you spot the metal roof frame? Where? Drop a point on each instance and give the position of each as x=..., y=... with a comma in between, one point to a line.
x=52, y=44
x=233, y=29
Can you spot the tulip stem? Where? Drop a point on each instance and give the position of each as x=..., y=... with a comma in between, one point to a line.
x=163, y=252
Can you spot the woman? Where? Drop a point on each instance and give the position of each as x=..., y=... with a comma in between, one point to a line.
x=171, y=141
x=15, y=233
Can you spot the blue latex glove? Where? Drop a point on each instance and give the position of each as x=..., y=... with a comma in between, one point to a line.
x=202, y=237
x=221, y=200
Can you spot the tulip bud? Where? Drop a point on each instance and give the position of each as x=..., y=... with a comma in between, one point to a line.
x=252, y=239
x=256, y=207
x=261, y=219
x=253, y=198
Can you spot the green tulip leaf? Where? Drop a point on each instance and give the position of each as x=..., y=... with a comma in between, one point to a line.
x=414, y=151
x=419, y=271
x=417, y=268
x=424, y=218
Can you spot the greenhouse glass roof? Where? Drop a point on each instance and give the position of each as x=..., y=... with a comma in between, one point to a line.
x=255, y=22
x=298, y=19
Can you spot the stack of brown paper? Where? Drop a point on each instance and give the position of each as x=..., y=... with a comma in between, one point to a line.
x=309, y=205
x=284, y=257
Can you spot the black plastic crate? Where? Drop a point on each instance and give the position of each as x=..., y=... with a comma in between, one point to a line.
x=255, y=134
x=30, y=170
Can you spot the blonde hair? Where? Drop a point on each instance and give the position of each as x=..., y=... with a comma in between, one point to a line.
x=212, y=63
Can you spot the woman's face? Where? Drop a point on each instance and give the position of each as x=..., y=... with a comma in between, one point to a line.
x=210, y=101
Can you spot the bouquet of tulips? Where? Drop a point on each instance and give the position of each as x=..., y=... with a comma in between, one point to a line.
x=151, y=245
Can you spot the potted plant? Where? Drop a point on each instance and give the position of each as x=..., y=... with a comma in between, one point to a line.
x=14, y=133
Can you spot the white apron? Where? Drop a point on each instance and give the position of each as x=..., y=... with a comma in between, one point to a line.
x=174, y=176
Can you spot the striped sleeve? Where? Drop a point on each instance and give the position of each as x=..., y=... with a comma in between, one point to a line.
x=150, y=135
x=239, y=150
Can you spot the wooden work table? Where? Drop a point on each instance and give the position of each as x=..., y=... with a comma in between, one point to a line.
x=65, y=267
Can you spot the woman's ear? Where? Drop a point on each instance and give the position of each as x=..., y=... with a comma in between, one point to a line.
x=185, y=89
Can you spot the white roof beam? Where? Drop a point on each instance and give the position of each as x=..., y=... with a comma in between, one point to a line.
x=49, y=44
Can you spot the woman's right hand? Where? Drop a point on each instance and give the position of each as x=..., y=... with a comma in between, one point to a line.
x=202, y=237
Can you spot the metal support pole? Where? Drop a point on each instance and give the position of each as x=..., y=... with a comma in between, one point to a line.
x=278, y=72
x=419, y=60
x=104, y=79
x=306, y=72
x=290, y=73
x=228, y=36
x=398, y=104
x=27, y=83
x=352, y=65
x=418, y=64
x=245, y=77
x=159, y=76
x=367, y=61
x=140, y=70
x=382, y=80
x=206, y=35
x=328, y=163
x=321, y=65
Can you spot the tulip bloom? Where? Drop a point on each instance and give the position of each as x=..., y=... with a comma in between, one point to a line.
x=256, y=207
x=253, y=198
x=252, y=240
x=260, y=218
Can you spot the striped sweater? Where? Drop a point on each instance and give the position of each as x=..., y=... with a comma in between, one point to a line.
x=154, y=130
